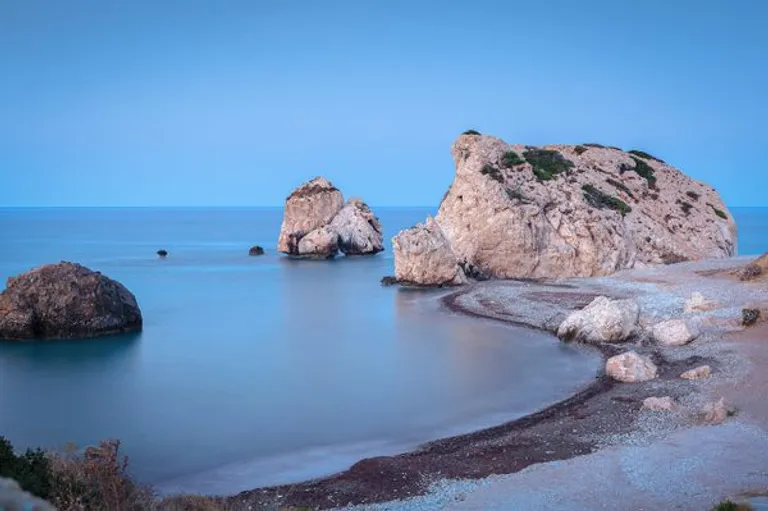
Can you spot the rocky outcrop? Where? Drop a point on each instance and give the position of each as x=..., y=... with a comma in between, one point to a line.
x=659, y=404
x=603, y=320
x=675, y=332
x=630, y=367
x=517, y=211
x=756, y=269
x=317, y=223
x=13, y=498
x=424, y=257
x=697, y=373
x=358, y=228
x=256, y=250
x=66, y=300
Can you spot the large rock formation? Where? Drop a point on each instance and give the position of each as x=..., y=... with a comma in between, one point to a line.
x=424, y=257
x=516, y=211
x=317, y=223
x=66, y=300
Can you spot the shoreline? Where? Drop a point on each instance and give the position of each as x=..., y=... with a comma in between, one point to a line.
x=581, y=424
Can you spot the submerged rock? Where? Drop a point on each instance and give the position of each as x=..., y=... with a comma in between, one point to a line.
x=516, y=211
x=162, y=253
x=424, y=257
x=256, y=251
x=603, y=320
x=66, y=300
x=630, y=367
x=317, y=223
x=675, y=332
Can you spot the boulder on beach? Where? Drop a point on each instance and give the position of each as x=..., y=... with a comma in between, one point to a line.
x=756, y=269
x=630, y=367
x=659, y=404
x=602, y=321
x=699, y=303
x=516, y=211
x=715, y=412
x=256, y=251
x=66, y=300
x=674, y=332
x=697, y=373
x=424, y=257
x=317, y=223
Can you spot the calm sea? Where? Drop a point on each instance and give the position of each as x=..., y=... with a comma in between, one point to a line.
x=260, y=370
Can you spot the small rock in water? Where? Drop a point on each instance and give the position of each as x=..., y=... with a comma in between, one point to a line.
x=388, y=280
x=256, y=251
x=630, y=367
x=749, y=316
x=697, y=373
x=162, y=253
x=659, y=404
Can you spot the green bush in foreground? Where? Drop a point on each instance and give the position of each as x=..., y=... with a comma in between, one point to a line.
x=31, y=469
x=727, y=505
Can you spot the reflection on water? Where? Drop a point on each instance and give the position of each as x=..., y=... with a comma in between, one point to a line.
x=259, y=370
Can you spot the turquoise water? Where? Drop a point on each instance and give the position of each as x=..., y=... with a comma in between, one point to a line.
x=261, y=370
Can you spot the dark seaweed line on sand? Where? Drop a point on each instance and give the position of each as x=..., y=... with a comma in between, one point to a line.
x=467, y=456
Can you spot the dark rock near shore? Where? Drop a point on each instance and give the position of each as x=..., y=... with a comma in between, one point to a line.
x=256, y=251
x=749, y=316
x=66, y=300
x=388, y=280
x=162, y=253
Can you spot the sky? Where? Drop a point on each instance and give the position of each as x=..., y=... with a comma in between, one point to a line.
x=235, y=103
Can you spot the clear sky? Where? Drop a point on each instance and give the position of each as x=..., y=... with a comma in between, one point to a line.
x=234, y=103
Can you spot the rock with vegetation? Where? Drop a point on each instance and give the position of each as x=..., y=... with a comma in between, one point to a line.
x=630, y=367
x=674, y=332
x=317, y=224
x=516, y=211
x=756, y=269
x=424, y=257
x=66, y=300
x=602, y=321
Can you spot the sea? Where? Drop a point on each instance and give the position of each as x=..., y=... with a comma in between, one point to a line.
x=254, y=371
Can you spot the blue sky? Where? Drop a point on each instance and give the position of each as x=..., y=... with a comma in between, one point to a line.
x=184, y=103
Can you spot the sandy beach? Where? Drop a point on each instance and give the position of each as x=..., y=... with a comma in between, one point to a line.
x=600, y=446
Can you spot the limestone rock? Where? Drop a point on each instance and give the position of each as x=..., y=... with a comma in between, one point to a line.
x=603, y=320
x=630, y=367
x=424, y=257
x=66, y=300
x=317, y=224
x=675, y=332
x=697, y=373
x=322, y=243
x=358, y=228
x=256, y=251
x=715, y=412
x=756, y=268
x=13, y=498
x=697, y=303
x=659, y=404
x=562, y=211
x=310, y=207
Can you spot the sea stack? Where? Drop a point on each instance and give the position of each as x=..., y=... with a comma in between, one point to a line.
x=317, y=224
x=516, y=211
x=63, y=301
